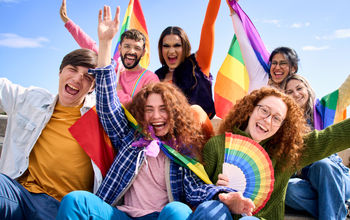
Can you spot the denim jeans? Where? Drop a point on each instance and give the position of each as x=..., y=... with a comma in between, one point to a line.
x=18, y=203
x=85, y=205
x=324, y=190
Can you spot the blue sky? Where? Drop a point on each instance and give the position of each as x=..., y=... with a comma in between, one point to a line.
x=33, y=39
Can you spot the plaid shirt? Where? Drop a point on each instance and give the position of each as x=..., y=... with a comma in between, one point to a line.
x=185, y=186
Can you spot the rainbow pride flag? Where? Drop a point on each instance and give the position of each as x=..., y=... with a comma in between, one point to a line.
x=331, y=108
x=245, y=67
x=134, y=19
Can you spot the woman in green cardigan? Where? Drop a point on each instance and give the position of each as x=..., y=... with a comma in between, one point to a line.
x=275, y=121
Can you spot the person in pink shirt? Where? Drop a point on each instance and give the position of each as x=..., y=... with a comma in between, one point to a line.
x=132, y=76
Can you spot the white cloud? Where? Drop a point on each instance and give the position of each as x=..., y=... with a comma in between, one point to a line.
x=313, y=48
x=337, y=34
x=272, y=21
x=300, y=25
x=15, y=41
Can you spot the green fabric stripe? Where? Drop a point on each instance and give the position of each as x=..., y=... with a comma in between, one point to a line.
x=235, y=50
x=330, y=101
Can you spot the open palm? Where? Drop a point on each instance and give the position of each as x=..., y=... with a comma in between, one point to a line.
x=107, y=27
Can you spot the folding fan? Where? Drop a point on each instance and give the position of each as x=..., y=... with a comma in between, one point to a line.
x=249, y=169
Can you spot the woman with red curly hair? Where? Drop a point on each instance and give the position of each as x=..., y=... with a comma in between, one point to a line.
x=276, y=122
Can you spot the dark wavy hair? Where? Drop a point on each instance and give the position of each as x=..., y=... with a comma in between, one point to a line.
x=186, y=46
x=286, y=145
x=80, y=57
x=292, y=58
x=184, y=131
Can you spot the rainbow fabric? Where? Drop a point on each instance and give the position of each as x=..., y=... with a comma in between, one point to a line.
x=178, y=158
x=249, y=169
x=240, y=73
x=332, y=107
x=134, y=19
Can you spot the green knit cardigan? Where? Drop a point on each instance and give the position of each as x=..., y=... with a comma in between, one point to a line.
x=318, y=145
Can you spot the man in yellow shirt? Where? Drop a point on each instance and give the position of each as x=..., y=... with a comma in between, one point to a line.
x=41, y=161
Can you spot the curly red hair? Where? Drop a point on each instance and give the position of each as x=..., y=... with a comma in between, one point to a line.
x=184, y=131
x=286, y=145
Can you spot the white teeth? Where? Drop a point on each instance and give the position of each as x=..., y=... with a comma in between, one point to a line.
x=157, y=124
x=262, y=127
x=72, y=87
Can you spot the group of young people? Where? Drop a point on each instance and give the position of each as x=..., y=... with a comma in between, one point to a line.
x=47, y=175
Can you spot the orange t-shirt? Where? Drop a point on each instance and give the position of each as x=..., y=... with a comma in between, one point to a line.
x=57, y=163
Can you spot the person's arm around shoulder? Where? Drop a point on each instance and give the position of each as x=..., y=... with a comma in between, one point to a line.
x=84, y=40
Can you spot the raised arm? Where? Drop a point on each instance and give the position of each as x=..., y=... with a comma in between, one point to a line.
x=109, y=109
x=257, y=75
x=206, y=44
x=84, y=40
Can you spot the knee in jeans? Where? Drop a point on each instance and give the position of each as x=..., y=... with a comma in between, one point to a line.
x=75, y=197
x=321, y=166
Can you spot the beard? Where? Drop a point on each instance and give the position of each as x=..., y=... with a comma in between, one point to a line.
x=136, y=62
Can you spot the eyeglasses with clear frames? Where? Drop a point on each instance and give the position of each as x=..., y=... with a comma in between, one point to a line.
x=282, y=64
x=264, y=111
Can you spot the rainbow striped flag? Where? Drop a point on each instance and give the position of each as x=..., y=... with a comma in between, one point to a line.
x=331, y=108
x=134, y=19
x=245, y=67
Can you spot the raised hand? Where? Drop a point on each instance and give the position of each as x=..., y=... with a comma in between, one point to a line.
x=107, y=28
x=237, y=203
x=63, y=12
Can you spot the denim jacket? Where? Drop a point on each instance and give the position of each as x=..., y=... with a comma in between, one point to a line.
x=28, y=110
x=182, y=184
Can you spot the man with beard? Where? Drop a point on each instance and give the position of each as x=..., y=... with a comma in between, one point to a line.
x=132, y=47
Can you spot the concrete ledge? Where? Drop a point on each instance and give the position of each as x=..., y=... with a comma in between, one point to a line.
x=3, y=122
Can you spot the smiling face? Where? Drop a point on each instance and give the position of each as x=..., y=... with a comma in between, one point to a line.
x=74, y=84
x=131, y=52
x=280, y=68
x=172, y=51
x=264, y=120
x=156, y=114
x=298, y=91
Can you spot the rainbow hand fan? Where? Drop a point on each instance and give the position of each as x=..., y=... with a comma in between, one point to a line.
x=249, y=169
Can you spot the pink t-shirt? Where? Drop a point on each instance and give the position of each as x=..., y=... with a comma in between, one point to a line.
x=128, y=80
x=148, y=193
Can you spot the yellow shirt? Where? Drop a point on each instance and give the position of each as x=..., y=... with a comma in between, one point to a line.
x=57, y=163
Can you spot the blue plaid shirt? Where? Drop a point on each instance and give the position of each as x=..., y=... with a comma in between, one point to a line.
x=185, y=186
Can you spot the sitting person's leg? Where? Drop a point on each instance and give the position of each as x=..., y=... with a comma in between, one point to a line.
x=175, y=211
x=212, y=209
x=85, y=205
x=301, y=196
x=18, y=203
x=332, y=182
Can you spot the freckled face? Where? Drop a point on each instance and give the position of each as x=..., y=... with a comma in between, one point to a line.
x=156, y=114
x=172, y=50
x=74, y=84
x=262, y=124
x=298, y=91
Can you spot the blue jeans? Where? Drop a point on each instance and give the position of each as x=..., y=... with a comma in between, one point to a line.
x=18, y=203
x=324, y=190
x=85, y=205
